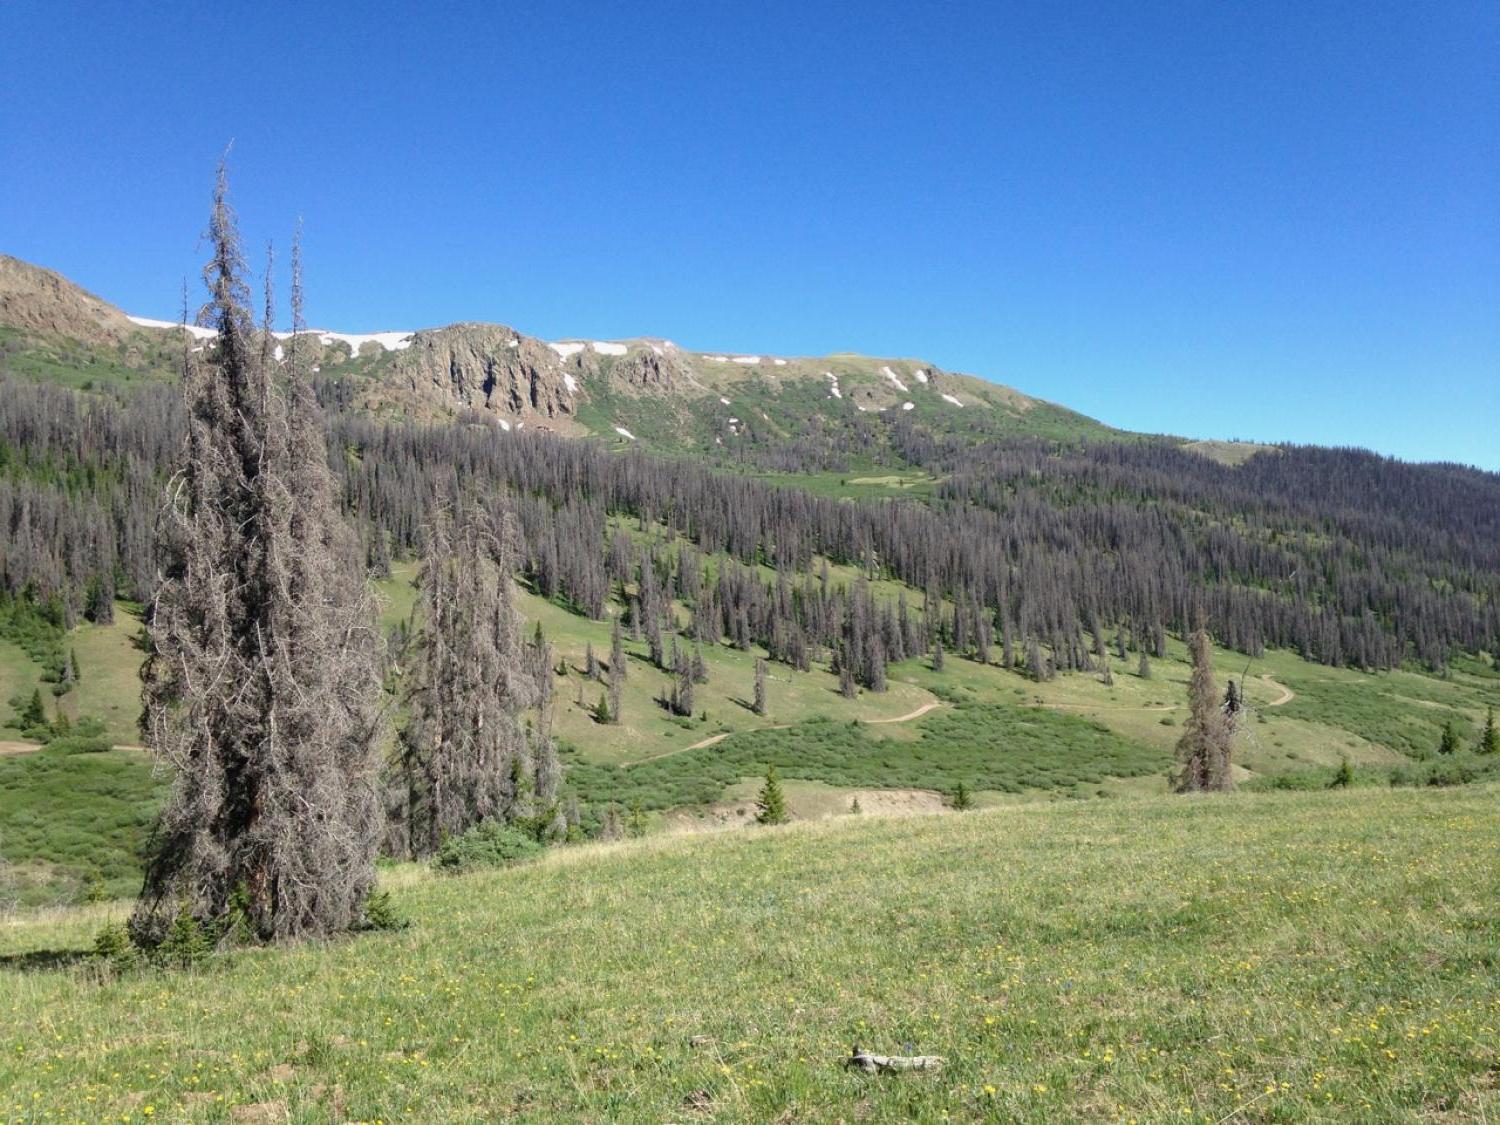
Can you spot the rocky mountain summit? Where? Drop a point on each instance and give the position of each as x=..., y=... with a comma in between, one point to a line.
x=641, y=389
x=37, y=301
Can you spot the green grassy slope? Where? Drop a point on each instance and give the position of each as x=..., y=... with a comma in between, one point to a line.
x=996, y=731
x=74, y=825
x=1280, y=957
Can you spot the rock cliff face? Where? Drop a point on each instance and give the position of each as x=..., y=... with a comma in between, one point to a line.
x=37, y=301
x=491, y=368
x=651, y=370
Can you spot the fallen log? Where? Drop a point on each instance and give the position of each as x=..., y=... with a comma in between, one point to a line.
x=891, y=1064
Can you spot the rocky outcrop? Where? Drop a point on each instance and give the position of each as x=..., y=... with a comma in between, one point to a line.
x=651, y=370
x=491, y=368
x=39, y=302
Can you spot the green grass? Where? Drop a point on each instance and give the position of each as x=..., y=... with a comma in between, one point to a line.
x=146, y=357
x=993, y=747
x=71, y=820
x=1402, y=711
x=1287, y=957
x=19, y=677
x=109, y=685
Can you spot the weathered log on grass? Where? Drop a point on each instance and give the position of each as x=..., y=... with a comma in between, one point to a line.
x=891, y=1064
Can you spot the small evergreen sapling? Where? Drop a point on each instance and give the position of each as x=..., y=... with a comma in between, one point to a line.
x=1450, y=742
x=1489, y=741
x=962, y=798
x=771, y=804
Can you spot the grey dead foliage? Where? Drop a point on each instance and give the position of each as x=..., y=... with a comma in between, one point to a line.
x=467, y=755
x=262, y=688
x=1203, y=750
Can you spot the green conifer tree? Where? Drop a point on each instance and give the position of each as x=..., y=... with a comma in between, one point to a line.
x=771, y=804
x=1450, y=741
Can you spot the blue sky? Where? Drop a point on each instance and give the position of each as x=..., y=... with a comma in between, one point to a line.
x=1274, y=221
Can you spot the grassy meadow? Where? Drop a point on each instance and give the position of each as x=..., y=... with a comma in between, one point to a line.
x=1260, y=957
x=74, y=824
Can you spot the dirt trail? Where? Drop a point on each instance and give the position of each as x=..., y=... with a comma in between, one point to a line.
x=1287, y=694
x=10, y=748
x=717, y=738
x=1117, y=707
x=917, y=714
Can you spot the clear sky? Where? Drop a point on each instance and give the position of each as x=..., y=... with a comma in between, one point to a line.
x=1263, y=220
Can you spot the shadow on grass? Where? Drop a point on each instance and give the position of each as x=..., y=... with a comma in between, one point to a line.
x=44, y=960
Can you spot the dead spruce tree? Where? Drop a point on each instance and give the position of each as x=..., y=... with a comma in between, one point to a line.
x=467, y=754
x=262, y=690
x=1203, y=749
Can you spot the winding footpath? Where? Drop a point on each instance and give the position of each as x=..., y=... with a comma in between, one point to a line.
x=1286, y=696
x=713, y=740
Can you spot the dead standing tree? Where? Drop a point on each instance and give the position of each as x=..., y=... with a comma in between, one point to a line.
x=1203, y=749
x=262, y=689
x=466, y=753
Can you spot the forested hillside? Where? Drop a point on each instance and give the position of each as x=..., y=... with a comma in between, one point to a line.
x=1343, y=556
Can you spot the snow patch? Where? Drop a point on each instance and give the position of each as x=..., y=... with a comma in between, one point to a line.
x=388, y=341
x=891, y=375
x=516, y=343
x=623, y=432
x=193, y=330
x=921, y=376
x=908, y=406
x=734, y=421
x=565, y=350
x=655, y=348
x=833, y=387
x=724, y=400
x=504, y=425
x=278, y=353
x=604, y=348
x=951, y=399
x=748, y=360
x=570, y=382
x=717, y=358
x=779, y=362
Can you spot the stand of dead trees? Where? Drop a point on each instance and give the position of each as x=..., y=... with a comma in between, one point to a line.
x=466, y=754
x=262, y=688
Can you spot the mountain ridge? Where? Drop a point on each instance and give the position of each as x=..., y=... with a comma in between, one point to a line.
x=574, y=386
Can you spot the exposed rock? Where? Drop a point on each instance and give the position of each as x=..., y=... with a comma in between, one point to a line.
x=649, y=371
x=488, y=367
x=40, y=302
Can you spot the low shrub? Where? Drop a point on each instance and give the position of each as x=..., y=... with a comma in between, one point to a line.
x=490, y=844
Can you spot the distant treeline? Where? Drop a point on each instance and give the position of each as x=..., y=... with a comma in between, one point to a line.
x=1347, y=557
